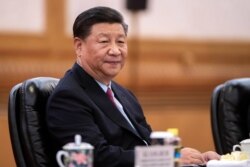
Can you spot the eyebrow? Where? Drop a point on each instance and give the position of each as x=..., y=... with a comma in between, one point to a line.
x=107, y=34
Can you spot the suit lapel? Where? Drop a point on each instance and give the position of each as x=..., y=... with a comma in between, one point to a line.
x=103, y=102
x=128, y=110
x=99, y=97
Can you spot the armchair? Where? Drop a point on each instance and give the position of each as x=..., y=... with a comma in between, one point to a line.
x=230, y=118
x=26, y=112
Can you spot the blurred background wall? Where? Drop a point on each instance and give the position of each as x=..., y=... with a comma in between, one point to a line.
x=178, y=52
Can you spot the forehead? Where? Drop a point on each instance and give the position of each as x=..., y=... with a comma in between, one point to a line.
x=107, y=29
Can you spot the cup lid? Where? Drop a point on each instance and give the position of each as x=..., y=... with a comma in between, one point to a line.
x=160, y=134
x=78, y=144
x=245, y=141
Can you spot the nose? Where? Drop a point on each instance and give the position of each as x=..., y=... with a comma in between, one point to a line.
x=114, y=50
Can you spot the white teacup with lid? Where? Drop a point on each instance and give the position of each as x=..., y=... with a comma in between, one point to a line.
x=244, y=146
x=75, y=154
x=161, y=137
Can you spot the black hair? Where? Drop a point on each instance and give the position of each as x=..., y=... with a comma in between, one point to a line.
x=84, y=21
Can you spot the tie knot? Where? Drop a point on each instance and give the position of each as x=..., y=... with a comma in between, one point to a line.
x=110, y=95
x=109, y=92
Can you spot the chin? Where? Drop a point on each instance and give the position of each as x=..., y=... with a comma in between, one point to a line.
x=113, y=74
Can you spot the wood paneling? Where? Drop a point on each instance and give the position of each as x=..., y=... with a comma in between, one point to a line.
x=6, y=155
x=190, y=64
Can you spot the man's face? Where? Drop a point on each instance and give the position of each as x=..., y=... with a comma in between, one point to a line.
x=103, y=52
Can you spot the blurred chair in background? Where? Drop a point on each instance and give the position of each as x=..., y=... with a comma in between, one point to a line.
x=26, y=112
x=229, y=114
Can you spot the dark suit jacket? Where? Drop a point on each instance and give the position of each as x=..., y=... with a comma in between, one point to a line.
x=78, y=105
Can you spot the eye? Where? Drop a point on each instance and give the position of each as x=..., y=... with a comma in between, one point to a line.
x=103, y=41
x=121, y=41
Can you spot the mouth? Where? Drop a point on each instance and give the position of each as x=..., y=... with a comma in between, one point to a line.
x=113, y=62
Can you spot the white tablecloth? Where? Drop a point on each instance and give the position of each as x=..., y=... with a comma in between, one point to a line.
x=224, y=163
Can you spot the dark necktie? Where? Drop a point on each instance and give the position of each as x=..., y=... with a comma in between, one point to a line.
x=110, y=96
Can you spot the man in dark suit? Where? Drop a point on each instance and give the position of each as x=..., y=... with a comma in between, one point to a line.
x=114, y=124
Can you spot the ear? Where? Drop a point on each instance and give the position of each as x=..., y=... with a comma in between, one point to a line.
x=78, y=46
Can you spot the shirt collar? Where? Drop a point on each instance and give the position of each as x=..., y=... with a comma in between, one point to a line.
x=103, y=86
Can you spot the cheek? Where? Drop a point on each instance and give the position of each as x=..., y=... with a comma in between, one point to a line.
x=125, y=50
x=125, y=54
x=93, y=54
